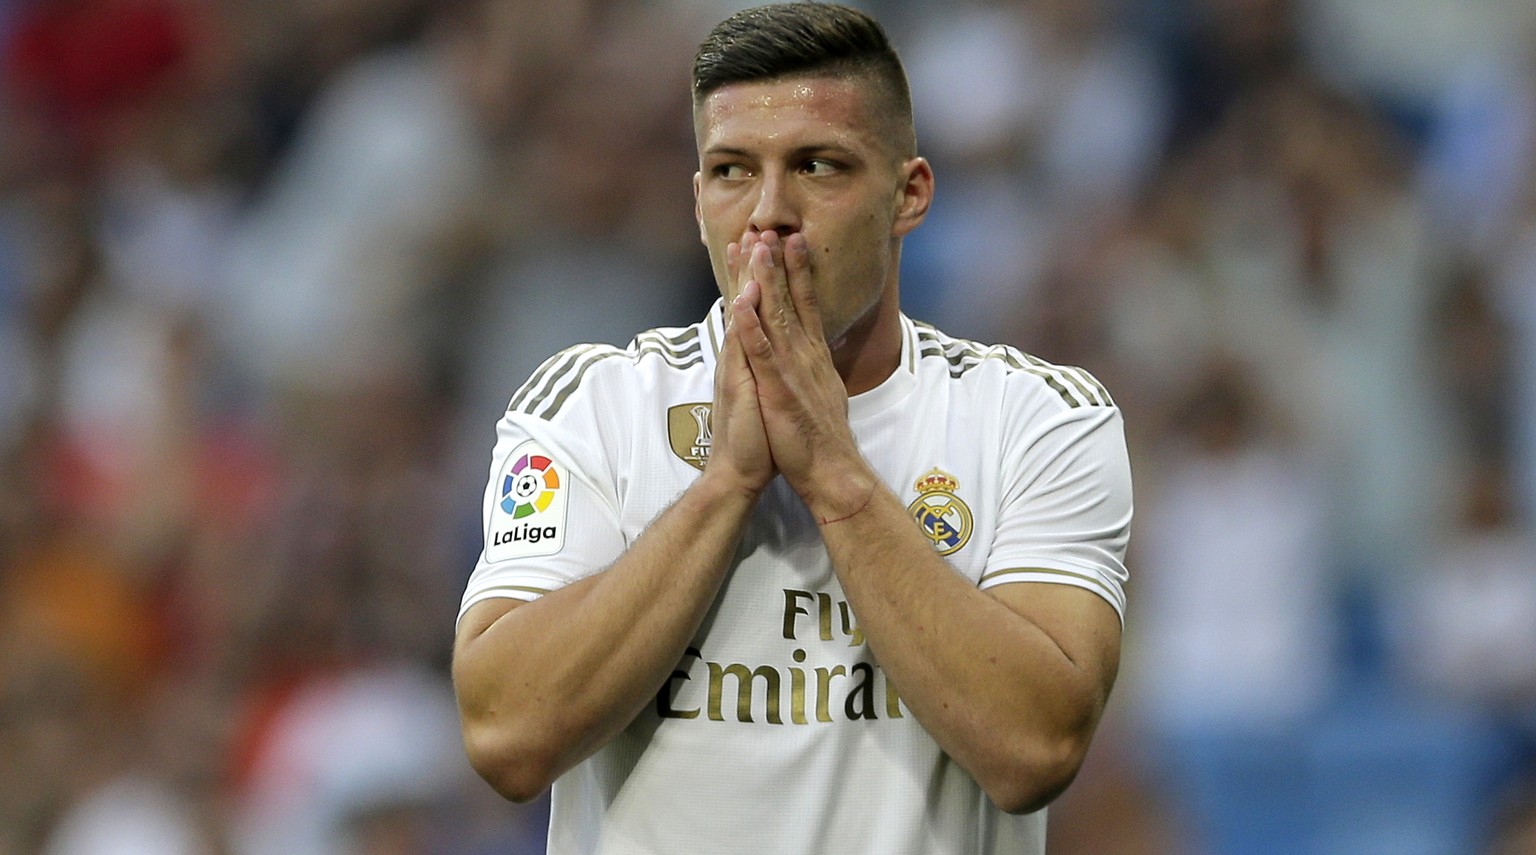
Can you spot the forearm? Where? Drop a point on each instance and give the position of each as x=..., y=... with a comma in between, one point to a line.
x=994, y=687
x=1011, y=690
x=550, y=681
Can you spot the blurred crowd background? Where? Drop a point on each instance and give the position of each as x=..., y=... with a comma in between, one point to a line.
x=270, y=269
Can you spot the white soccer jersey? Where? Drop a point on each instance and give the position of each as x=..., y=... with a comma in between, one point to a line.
x=778, y=732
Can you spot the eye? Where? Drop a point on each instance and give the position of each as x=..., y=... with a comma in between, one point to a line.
x=820, y=166
x=729, y=171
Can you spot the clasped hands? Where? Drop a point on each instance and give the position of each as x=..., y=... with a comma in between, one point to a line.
x=780, y=405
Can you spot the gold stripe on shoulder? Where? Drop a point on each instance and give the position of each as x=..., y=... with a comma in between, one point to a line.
x=1060, y=373
x=1092, y=381
x=679, y=361
x=686, y=359
x=1075, y=386
x=685, y=341
x=548, y=373
x=562, y=375
x=564, y=392
x=574, y=367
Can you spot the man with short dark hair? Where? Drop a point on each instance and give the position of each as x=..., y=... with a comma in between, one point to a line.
x=807, y=576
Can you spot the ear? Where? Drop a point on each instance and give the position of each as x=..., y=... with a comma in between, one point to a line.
x=914, y=196
x=698, y=213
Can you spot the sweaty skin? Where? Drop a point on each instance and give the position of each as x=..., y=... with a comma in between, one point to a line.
x=803, y=195
x=1012, y=681
x=813, y=156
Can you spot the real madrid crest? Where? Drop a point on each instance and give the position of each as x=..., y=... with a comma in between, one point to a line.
x=689, y=434
x=939, y=512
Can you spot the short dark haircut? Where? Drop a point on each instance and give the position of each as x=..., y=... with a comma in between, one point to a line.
x=795, y=39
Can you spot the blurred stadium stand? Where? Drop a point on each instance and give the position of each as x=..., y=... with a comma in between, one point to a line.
x=269, y=271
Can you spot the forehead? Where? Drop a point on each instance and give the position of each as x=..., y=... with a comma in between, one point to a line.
x=840, y=109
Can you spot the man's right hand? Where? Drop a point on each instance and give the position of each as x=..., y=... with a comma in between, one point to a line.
x=740, y=452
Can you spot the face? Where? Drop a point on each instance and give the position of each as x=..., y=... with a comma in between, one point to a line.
x=810, y=155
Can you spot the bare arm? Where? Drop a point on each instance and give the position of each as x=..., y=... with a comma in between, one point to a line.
x=1011, y=683
x=544, y=684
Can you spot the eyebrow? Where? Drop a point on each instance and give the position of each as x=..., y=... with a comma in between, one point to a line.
x=799, y=151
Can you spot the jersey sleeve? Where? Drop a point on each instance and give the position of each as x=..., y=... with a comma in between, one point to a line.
x=550, y=513
x=1066, y=505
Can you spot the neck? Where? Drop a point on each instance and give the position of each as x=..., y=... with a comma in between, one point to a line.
x=871, y=350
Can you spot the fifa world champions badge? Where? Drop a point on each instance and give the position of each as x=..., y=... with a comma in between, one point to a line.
x=943, y=517
x=688, y=430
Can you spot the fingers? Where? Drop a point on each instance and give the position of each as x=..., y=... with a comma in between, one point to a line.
x=738, y=256
x=732, y=271
x=797, y=276
x=734, y=383
x=768, y=270
x=787, y=303
x=732, y=369
x=749, y=328
x=776, y=307
x=731, y=354
x=751, y=295
x=740, y=441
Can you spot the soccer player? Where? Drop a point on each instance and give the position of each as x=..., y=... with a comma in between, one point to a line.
x=807, y=576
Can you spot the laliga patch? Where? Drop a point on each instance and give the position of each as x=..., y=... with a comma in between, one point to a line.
x=532, y=492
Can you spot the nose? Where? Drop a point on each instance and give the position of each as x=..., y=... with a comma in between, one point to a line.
x=776, y=210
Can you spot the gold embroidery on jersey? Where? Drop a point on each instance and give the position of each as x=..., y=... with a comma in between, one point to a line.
x=856, y=685
x=688, y=431
x=700, y=688
x=943, y=517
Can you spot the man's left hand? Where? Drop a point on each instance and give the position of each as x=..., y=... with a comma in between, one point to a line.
x=802, y=397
